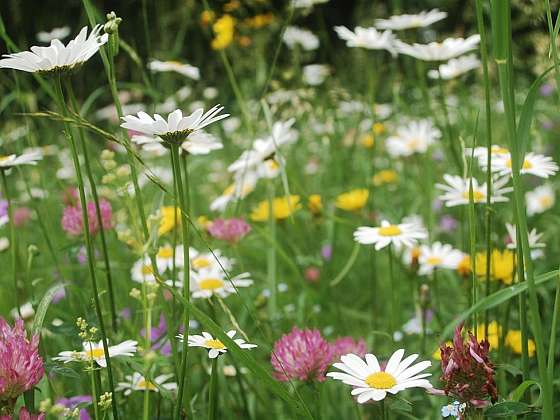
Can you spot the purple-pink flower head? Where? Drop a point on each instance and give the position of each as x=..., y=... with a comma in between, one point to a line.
x=302, y=354
x=21, y=367
x=72, y=221
x=230, y=230
x=26, y=415
x=345, y=345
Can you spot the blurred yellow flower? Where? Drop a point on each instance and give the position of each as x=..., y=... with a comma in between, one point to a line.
x=514, y=342
x=367, y=141
x=244, y=41
x=282, y=208
x=315, y=203
x=436, y=355
x=258, y=21
x=232, y=5
x=494, y=331
x=385, y=176
x=204, y=222
x=464, y=267
x=224, y=29
x=502, y=265
x=353, y=200
x=378, y=128
x=167, y=221
x=207, y=17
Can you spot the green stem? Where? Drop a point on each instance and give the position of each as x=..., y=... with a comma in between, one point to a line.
x=271, y=256
x=92, y=183
x=395, y=298
x=13, y=248
x=176, y=164
x=89, y=245
x=553, y=331
x=213, y=391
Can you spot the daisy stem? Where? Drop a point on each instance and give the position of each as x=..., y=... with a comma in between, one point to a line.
x=89, y=245
x=271, y=256
x=394, y=293
x=522, y=314
x=501, y=23
x=447, y=121
x=488, y=111
x=553, y=331
x=213, y=390
x=148, y=328
x=94, y=391
x=95, y=196
x=13, y=248
x=176, y=164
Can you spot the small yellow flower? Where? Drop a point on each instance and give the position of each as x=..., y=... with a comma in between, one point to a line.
x=514, y=342
x=207, y=17
x=352, y=200
x=232, y=5
x=386, y=176
x=204, y=222
x=464, y=267
x=315, y=204
x=224, y=29
x=367, y=141
x=494, y=331
x=244, y=41
x=378, y=128
x=282, y=208
x=168, y=216
x=258, y=21
x=502, y=265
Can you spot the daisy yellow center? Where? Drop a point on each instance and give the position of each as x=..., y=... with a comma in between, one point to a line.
x=434, y=260
x=165, y=252
x=3, y=158
x=380, y=380
x=214, y=344
x=175, y=63
x=272, y=164
x=545, y=201
x=200, y=262
x=391, y=230
x=477, y=195
x=211, y=284
x=147, y=269
x=500, y=150
x=143, y=384
x=526, y=164
x=95, y=353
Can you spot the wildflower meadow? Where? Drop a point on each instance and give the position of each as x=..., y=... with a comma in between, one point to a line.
x=293, y=209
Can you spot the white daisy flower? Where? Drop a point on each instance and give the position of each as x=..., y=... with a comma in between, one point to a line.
x=456, y=191
x=439, y=51
x=304, y=4
x=481, y=153
x=370, y=382
x=534, y=237
x=164, y=258
x=266, y=149
x=94, y=352
x=406, y=234
x=176, y=127
x=420, y=20
x=315, y=74
x=215, y=347
x=55, y=33
x=414, y=137
x=175, y=66
x=208, y=282
x=137, y=382
x=197, y=143
x=209, y=260
x=438, y=255
x=57, y=57
x=26, y=310
x=369, y=38
x=540, y=199
x=244, y=183
x=455, y=67
x=30, y=158
x=534, y=164
x=142, y=271
x=297, y=36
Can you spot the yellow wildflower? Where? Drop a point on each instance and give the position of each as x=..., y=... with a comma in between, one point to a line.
x=386, y=176
x=224, y=29
x=282, y=208
x=514, y=342
x=168, y=216
x=494, y=331
x=502, y=265
x=464, y=267
x=204, y=222
x=352, y=200
x=232, y=5
x=367, y=141
x=436, y=355
x=207, y=17
x=378, y=128
x=315, y=204
x=258, y=21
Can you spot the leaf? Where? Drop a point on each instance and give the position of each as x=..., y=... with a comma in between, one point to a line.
x=527, y=112
x=244, y=356
x=520, y=390
x=347, y=266
x=42, y=308
x=495, y=299
x=507, y=409
x=58, y=370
